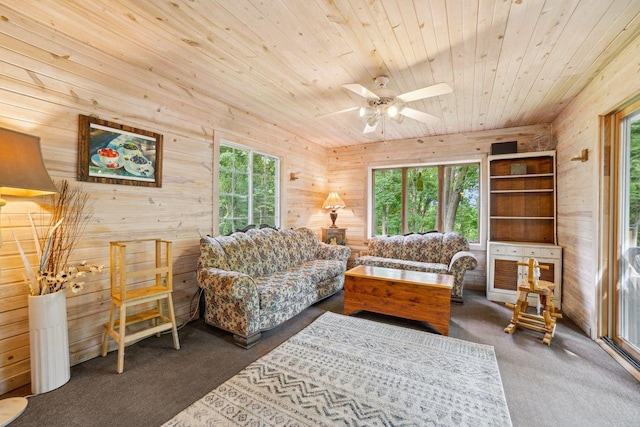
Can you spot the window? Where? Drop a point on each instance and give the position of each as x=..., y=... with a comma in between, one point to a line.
x=423, y=198
x=248, y=188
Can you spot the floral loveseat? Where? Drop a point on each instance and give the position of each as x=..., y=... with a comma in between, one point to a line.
x=446, y=253
x=256, y=280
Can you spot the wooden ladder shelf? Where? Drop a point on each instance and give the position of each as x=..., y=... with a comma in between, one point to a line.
x=153, y=285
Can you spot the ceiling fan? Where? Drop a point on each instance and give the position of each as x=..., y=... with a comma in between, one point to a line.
x=383, y=102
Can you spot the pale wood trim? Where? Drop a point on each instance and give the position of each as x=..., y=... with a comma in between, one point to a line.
x=613, y=325
x=621, y=360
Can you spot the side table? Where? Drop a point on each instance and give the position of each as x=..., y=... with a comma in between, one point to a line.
x=339, y=234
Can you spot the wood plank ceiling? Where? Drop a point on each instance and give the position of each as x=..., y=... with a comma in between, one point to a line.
x=510, y=63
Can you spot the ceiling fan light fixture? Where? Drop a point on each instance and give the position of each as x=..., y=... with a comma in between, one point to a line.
x=373, y=120
x=367, y=111
x=392, y=111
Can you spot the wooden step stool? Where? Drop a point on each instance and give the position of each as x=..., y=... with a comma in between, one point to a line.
x=148, y=289
x=546, y=322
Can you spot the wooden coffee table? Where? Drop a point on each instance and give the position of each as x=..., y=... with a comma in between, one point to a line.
x=414, y=295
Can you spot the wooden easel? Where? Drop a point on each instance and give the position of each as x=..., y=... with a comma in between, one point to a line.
x=546, y=322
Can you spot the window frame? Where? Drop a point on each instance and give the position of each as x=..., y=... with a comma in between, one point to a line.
x=480, y=160
x=618, y=137
x=225, y=142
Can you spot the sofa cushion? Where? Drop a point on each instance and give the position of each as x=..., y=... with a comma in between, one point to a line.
x=211, y=254
x=279, y=289
x=270, y=319
x=301, y=244
x=271, y=254
x=242, y=254
x=386, y=246
x=282, y=288
x=310, y=242
x=422, y=248
x=322, y=269
x=452, y=243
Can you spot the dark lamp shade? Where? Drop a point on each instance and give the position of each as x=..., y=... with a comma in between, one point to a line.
x=333, y=201
x=22, y=170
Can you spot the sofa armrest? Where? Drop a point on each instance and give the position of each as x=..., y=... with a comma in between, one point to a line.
x=232, y=284
x=460, y=263
x=335, y=252
x=231, y=302
x=463, y=260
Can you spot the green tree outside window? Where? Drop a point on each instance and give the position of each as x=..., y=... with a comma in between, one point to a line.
x=248, y=189
x=449, y=191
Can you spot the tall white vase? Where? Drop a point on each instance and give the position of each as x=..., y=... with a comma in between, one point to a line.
x=49, y=342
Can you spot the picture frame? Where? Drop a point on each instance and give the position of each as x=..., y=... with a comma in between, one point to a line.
x=112, y=153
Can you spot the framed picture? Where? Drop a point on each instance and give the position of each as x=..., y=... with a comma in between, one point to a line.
x=118, y=154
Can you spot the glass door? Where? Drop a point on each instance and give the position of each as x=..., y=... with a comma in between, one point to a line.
x=626, y=298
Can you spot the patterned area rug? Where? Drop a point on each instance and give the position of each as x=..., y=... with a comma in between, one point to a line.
x=348, y=371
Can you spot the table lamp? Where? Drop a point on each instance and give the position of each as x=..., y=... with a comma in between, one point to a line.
x=333, y=202
x=22, y=174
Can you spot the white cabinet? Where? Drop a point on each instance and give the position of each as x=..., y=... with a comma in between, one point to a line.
x=522, y=223
x=504, y=273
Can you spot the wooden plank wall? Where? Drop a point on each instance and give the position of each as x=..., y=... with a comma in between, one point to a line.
x=47, y=80
x=348, y=174
x=579, y=217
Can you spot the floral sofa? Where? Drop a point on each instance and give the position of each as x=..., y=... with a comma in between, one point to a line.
x=446, y=253
x=255, y=280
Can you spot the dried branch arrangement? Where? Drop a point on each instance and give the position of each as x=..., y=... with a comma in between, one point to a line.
x=71, y=212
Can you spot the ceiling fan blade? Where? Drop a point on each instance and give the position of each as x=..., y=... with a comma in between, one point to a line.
x=419, y=115
x=346, y=110
x=425, y=92
x=360, y=90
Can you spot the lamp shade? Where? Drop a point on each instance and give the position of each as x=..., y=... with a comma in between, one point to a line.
x=22, y=171
x=333, y=201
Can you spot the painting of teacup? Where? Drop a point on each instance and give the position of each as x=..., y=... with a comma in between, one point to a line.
x=138, y=162
x=130, y=149
x=109, y=157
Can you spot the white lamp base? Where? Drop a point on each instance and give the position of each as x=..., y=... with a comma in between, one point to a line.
x=11, y=408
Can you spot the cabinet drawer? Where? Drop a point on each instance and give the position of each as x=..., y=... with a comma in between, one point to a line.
x=531, y=252
x=514, y=250
x=499, y=250
x=550, y=253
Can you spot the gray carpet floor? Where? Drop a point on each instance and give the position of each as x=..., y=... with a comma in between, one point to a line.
x=572, y=383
